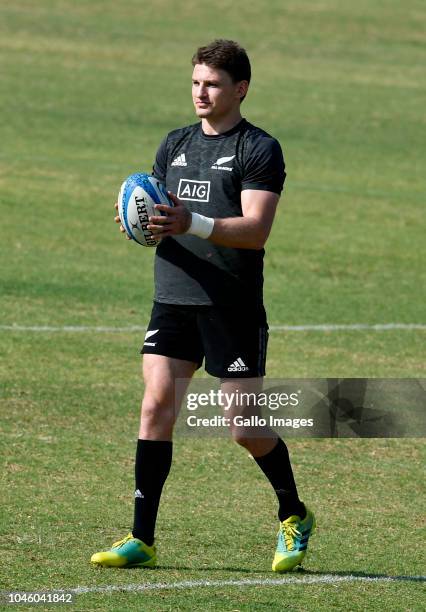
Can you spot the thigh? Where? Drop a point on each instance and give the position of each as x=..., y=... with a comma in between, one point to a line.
x=241, y=396
x=166, y=379
x=234, y=341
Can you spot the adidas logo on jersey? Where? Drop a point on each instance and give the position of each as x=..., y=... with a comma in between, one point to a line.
x=139, y=494
x=238, y=366
x=180, y=160
x=218, y=165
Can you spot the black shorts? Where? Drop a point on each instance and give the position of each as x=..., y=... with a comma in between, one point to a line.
x=232, y=339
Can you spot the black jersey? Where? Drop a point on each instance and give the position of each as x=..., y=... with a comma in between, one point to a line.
x=208, y=173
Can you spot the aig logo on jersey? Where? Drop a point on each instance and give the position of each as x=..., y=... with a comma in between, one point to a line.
x=195, y=191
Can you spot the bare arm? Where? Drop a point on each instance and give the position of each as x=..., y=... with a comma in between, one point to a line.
x=250, y=231
x=247, y=232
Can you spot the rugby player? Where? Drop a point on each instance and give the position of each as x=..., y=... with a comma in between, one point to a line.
x=225, y=177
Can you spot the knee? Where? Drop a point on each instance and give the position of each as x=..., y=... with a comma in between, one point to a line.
x=156, y=412
x=239, y=435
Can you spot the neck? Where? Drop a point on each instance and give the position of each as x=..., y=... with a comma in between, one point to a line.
x=213, y=127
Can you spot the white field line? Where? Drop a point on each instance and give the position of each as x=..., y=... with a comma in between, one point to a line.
x=275, y=328
x=191, y=584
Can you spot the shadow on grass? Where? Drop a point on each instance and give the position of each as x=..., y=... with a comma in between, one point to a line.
x=186, y=568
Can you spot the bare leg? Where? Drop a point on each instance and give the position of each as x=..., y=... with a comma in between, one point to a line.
x=268, y=450
x=160, y=407
x=259, y=441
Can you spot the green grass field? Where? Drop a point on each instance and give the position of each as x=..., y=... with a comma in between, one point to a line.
x=88, y=90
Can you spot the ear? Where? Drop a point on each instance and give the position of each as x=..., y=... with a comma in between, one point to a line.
x=241, y=89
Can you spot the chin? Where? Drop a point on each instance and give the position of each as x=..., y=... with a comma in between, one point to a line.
x=203, y=112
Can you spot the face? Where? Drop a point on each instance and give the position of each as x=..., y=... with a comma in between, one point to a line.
x=214, y=93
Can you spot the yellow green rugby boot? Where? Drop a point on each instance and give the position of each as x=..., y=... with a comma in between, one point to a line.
x=293, y=538
x=127, y=552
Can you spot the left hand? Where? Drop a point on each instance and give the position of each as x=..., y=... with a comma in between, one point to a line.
x=177, y=219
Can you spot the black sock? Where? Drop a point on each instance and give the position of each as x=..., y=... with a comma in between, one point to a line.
x=152, y=466
x=277, y=468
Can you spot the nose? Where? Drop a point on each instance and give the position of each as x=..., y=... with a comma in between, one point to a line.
x=200, y=91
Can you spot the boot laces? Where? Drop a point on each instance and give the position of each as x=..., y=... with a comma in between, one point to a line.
x=290, y=533
x=128, y=537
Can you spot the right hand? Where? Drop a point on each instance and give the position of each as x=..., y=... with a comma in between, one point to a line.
x=117, y=220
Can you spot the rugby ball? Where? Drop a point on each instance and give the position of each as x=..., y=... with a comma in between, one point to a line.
x=138, y=195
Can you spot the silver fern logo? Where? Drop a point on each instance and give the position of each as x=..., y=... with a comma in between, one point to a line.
x=218, y=165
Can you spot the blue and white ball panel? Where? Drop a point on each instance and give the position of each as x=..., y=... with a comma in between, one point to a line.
x=138, y=195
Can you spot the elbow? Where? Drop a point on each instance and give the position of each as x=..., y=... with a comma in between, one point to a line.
x=259, y=242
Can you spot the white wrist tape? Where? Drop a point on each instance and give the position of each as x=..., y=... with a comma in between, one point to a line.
x=201, y=226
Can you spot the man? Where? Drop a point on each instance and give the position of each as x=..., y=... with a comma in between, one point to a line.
x=225, y=177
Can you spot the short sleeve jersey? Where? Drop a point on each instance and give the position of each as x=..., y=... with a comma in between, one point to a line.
x=208, y=173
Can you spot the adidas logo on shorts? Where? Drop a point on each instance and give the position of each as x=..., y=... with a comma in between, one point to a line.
x=238, y=366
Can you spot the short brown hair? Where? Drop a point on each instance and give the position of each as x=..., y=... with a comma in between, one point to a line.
x=225, y=55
